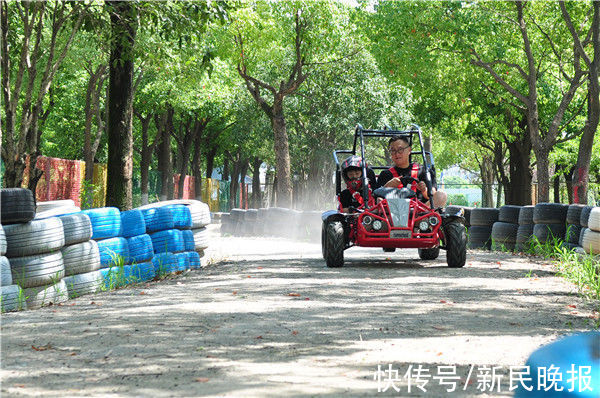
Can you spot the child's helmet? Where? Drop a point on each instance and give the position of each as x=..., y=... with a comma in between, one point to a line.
x=352, y=163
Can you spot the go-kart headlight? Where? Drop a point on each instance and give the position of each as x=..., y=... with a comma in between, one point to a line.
x=367, y=220
x=377, y=225
x=423, y=225
x=433, y=221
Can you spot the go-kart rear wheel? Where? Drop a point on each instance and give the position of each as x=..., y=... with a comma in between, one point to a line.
x=429, y=254
x=456, y=244
x=333, y=244
x=389, y=249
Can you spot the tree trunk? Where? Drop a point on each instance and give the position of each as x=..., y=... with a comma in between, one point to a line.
x=243, y=190
x=486, y=168
x=543, y=174
x=233, y=190
x=210, y=161
x=556, y=183
x=120, y=135
x=518, y=191
x=165, y=166
x=581, y=171
x=256, y=196
x=282, y=156
x=225, y=174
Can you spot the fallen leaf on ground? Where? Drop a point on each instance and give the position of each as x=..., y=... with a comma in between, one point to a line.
x=294, y=332
x=294, y=294
x=439, y=328
x=142, y=293
x=439, y=353
x=210, y=356
x=258, y=337
x=202, y=379
x=234, y=292
x=73, y=354
x=20, y=385
x=307, y=298
x=42, y=347
x=572, y=306
x=248, y=276
x=515, y=324
x=259, y=268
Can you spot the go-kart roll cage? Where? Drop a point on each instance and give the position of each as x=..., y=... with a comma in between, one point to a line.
x=360, y=133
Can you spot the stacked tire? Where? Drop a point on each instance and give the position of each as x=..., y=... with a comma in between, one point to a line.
x=466, y=213
x=167, y=240
x=504, y=231
x=573, y=231
x=33, y=253
x=480, y=232
x=550, y=222
x=81, y=256
x=200, y=214
x=525, y=230
x=590, y=240
x=139, y=266
x=237, y=220
x=113, y=249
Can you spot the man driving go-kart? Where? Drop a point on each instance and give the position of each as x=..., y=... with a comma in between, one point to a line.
x=403, y=210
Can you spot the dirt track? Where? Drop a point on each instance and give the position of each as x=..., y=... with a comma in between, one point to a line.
x=267, y=318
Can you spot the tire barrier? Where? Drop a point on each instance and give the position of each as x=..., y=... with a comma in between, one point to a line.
x=34, y=237
x=550, y=213
x=549, y=232
x=140, y=249
x=5, y=274
x=84, y=283
x=574, y=214
x=509, y=214
x=526, y=215
x=585, y=215
x=81, y=258
x=17, y=205
x=132, y=223
x=113, y=251
x=2, y=241
x=158, y=219
x=37, y=270
x=106, y=222
x=194, y=260
x=594, y=219
x=182, y=261
x=40, y=296
x=524, y=234
x=170, y=240
x=49, y=260
x=182, y=218
x=480, y=232
x=164, y=263
x=12, y=298
x=77, y=228
x=143, y=271
x=504, y=235
x=188, y=240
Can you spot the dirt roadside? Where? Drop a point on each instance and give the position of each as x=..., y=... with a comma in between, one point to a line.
x=268, y=319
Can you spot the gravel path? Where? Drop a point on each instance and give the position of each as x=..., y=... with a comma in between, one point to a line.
x=268, y=319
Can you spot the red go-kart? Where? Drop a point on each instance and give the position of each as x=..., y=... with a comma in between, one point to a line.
x=398, y=219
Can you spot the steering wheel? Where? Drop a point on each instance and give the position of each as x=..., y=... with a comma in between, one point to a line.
x=406, y=180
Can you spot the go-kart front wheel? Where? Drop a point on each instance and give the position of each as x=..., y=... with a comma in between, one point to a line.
x=456, y=244
x=333, y=244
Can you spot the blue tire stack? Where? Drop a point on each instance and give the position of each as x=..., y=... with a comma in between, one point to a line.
x=167, y=239
x=114, y=249
x=139, y=266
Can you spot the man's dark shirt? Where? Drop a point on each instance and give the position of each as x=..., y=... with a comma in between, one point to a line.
x=386, y=175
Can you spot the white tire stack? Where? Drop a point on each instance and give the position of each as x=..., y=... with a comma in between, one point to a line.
x=590, y=240
x=36, y=262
